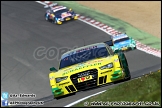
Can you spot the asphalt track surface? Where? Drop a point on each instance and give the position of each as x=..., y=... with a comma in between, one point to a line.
x=24, y=29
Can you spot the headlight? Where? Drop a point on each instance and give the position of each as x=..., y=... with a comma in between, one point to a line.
x=60, y=79
x=110, y=65
x=132, y=45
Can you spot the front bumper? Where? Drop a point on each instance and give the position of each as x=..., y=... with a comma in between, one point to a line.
x=66, y=19
x=86, y=84
x=124, y=49
x=72, y=85
x=56, y=91
x=75, y=17
x=68, y=87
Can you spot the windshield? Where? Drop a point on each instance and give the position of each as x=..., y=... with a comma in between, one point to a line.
x=121, y=40
x=60, y=11
x=84, y=55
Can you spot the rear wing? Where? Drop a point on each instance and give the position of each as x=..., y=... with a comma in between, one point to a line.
x=51, y=5
x=110, y=43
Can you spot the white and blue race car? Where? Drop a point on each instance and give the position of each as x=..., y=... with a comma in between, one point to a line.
x=121, y=42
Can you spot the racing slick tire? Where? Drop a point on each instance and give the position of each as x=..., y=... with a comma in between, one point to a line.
x=54, y=21
x=56, y=98
x=46, y=18
x=124, y=63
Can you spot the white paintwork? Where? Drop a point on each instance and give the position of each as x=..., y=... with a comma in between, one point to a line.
x=73, y=103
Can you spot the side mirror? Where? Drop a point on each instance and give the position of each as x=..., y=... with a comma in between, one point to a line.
x=110, y=43
x=53, y=69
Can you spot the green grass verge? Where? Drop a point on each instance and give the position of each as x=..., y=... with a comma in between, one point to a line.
x=147, y=89
x=116, y=23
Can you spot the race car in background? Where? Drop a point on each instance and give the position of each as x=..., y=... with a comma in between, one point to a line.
x=121, y=42
x=59, y=14
x=86, y=67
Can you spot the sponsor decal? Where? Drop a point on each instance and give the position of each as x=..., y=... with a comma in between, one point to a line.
x=65, y=14
x=67, y=69
x=80, y=75
x=82, y=67
x=86, y=49
x=95, y=61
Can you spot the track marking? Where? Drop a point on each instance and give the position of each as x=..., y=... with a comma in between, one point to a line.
x=43, y=3
x=73, y=103
x=26, y=63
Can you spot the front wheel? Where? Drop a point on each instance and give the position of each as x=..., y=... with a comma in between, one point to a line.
x=46, y=17
x=127, y=78
x=56, y=98
x=124, y=64
x=54, y=21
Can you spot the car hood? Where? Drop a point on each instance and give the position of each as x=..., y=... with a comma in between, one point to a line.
x=64, y=15
x=122, y=44
x=91, y=64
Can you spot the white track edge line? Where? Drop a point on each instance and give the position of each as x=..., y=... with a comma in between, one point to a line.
x=73, y=103
x=41, y=2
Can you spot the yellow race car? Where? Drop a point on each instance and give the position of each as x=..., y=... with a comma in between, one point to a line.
x=87, y=67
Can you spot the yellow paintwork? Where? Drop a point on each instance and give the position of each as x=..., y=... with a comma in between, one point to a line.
x=87, y=65
x=67, y=19
x=59, y=22
x=52, y=15
x=52, y=80
x=75, y=17
x=90, y=65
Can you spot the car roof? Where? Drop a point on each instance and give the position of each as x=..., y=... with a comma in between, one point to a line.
x=57, y=8
x=120, y=36
x=84, y=47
